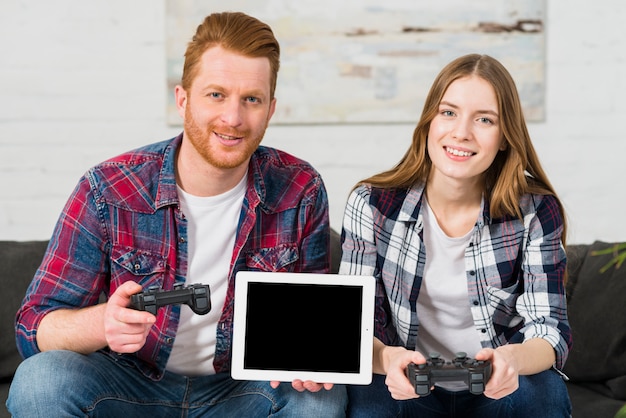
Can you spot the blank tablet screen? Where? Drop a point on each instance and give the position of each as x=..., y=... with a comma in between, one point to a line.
x=303, y=327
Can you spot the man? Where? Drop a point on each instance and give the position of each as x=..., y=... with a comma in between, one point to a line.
x=194, y=209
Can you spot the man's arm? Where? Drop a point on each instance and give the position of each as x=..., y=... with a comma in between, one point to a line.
x=89, y=329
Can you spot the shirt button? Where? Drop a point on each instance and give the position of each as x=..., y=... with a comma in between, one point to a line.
x=169, y=340
x=472, y=272
x=483, y=331
x=475, y=303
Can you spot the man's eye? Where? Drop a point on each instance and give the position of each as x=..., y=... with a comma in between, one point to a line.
x=215, y=95
x=253, y=99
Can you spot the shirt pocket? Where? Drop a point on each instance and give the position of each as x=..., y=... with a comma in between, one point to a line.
x=503, y=303
x=279, y=258
x=143, y=267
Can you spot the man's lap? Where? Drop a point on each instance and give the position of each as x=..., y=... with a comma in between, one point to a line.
x=98, y=384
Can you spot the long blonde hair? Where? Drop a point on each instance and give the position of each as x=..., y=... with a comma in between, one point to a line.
x=515, y=171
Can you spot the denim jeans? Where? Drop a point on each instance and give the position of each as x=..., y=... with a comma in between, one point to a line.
x=68, y=384
x=543, y=395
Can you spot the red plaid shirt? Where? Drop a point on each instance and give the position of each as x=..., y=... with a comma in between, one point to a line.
x=123, y=222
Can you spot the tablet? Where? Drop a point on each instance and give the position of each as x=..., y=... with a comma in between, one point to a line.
x=305, y=326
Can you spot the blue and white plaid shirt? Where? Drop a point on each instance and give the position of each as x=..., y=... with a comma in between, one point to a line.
x=515, y=268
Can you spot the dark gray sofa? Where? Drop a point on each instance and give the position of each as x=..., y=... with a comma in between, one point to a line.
x=597, y=309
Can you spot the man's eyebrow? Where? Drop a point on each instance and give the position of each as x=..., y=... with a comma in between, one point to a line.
x=217, y=87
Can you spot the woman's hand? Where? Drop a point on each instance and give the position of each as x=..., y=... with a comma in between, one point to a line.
x=510, y=361
x=396, y=360
x=504, y=378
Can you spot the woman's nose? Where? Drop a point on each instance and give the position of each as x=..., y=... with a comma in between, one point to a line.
x=462, y=129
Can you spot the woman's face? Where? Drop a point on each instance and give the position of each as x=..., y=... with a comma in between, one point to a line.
x=465, y=136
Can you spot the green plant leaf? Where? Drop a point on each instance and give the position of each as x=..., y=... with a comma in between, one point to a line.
x=619, y=252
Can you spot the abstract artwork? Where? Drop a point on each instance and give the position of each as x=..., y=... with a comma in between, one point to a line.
x=369, y=61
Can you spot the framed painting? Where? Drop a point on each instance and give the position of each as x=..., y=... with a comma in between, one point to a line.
x=371, y=61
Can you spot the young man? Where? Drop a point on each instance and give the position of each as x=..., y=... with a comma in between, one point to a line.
x=194, y=209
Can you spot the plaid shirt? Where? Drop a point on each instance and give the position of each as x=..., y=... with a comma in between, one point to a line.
x=123, y=222
x=514, y=268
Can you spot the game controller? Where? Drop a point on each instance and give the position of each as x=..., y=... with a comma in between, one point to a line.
x=475, y=373
x=197, y=296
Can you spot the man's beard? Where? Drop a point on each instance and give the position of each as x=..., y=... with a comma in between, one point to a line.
x=213, y=152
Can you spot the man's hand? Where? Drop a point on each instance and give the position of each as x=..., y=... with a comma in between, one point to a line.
x=126, y=329
x=301, y=386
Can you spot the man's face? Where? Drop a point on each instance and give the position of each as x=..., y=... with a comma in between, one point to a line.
x=228, y=107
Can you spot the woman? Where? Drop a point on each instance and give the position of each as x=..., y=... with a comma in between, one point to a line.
x=465, y=236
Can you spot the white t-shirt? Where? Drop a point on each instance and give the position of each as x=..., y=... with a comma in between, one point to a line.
x=446, y=325
x=212, y=226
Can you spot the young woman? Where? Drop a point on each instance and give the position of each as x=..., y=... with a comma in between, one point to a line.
x=465, y=236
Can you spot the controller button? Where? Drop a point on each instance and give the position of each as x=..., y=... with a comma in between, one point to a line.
x=421, y=379
x=477, y=388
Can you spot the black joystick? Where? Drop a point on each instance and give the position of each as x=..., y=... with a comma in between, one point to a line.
x=197, y=296
x=475, y=373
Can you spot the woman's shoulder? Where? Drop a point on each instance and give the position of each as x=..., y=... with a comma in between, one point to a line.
x=388, y=202
x=532, y=203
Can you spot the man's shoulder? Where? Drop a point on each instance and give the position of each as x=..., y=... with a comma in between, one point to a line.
x=134, y=173
x=280, y=158
x=284, y=180
x=277, y=165
x=138, y=156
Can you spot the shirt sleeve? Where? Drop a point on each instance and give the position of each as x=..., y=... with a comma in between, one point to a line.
x=314, y=230
x=73, y=270
x=543, y=303
x=359, y=255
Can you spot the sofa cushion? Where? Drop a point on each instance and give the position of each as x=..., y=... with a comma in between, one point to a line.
x=597, y=315
x=18, y=263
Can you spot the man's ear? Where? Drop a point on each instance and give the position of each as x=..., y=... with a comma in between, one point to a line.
x=272, y=109
x=180, y=97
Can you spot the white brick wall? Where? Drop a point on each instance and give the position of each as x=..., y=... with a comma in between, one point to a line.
x=83, y=81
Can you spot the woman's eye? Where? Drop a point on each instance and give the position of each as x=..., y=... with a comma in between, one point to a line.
x=486, y=120
x=447, y=113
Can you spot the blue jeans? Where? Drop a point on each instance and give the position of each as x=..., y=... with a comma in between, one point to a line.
x=543, y=395
x=68, y=384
